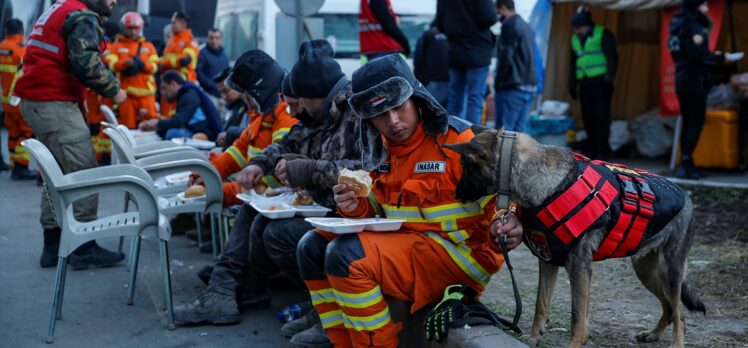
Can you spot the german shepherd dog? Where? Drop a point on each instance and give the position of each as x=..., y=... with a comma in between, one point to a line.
x=537, y=173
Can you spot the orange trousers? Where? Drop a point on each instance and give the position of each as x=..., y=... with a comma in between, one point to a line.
x=18, y=131
x=347, y=276
x=130, y=110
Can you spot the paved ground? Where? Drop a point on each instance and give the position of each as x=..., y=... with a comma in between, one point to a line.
x=95, y=313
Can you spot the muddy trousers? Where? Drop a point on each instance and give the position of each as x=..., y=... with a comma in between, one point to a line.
x=18, y=131
x=257, y=249
x=61, y=127
x=348, y=275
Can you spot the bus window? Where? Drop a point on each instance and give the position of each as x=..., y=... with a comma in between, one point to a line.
x=239, y=32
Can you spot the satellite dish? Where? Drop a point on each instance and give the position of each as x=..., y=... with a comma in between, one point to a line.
x=308, y=7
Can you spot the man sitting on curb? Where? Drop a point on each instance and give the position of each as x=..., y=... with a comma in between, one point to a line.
x=442, y=242
x=195, y=112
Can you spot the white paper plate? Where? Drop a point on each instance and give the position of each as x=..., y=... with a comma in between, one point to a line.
x=178, y=177
x=304, y=210
x=274, y=210
x=311, y=210
x=182, y=197
x=196, y=143
x=345, y=225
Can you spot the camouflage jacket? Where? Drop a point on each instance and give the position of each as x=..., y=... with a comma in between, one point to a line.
x=315, y=153
x=83, y=35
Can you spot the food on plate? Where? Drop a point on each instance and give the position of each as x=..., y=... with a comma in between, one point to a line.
x=261, y=188
x=358, y=180
x=302, y=198
x=200, y=136
x=272, y=207
x=194, y=191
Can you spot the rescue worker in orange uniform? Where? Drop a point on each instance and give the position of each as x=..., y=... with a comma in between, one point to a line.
x=12, y=50
x=101, y=143
x=135, y=62
x=269, y=118
x=180, y=54
x=442, y=242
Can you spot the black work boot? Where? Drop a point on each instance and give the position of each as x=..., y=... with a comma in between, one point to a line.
x=295, y=326
x=687, y=169
x=211, y=307
x=91, y=255
x=312, y=337
x=20, y=172
x=204, y=273
x=51, y=247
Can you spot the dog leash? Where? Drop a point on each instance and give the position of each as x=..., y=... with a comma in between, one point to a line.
x=504, y=208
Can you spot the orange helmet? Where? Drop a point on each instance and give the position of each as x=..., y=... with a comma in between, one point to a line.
x=132, y=20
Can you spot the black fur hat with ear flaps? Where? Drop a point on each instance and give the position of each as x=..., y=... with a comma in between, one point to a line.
x=380, y=85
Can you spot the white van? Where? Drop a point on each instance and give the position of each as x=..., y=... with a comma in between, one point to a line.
x=249, y=24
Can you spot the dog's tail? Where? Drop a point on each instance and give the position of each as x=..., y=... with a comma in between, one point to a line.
x=690, y=299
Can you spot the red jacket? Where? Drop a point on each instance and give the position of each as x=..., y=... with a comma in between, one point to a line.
x=370, y=34
x=46, y=73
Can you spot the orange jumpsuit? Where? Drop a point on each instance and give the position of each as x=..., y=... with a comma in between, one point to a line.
x=11, y=54
x=180, y=45
x=262, y=131
x=442, y=242
x=140, y=88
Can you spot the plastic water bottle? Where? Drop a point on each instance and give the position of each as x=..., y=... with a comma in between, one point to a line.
x=289, y=313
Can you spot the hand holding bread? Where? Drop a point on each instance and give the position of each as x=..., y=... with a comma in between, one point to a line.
x=351, y=186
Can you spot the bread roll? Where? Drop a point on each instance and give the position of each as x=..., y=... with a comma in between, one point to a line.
x=358, y=180
x=194, y=191
x=302, y=198
x=200, y=136
x=261, y=188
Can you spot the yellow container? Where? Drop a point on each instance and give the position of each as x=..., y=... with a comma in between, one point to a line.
x=718, y=143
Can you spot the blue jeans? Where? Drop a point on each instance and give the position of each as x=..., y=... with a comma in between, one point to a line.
x=178, y=133
x=470, y=82
x=512, y=107
x=440, y=91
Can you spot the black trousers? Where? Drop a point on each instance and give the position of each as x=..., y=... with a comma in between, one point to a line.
x=595, y=99
x=693, y=111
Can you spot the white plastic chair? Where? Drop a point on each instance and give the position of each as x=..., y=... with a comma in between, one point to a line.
x=64, y=189
x=159, y=166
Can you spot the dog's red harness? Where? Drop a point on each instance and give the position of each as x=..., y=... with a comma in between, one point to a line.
x=567, y=215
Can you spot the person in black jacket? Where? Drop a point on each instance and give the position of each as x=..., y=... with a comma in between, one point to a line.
x=236, y=118
x=195, y=111
x=689, y=46
x=516, y=79
x=467, y=24
x=593, y=64
x=431, y=65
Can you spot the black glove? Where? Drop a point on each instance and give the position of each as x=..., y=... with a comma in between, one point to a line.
x=184, y=61
x=438, y=319
x=137, y=62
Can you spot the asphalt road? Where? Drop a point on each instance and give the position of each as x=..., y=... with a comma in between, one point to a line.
x=95, y=313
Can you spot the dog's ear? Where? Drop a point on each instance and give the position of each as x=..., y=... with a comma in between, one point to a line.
x=477, y=129
x=465, y=149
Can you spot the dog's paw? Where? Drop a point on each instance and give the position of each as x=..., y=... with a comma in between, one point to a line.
x=647, y=336
x=533, y=341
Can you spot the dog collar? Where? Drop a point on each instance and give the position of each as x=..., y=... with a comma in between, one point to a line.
x=504, y=193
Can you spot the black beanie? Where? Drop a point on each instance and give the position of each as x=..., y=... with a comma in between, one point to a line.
x=316, y=72
x=259, y=75
x=286, y=87
x=581, y=18
x=693, y=4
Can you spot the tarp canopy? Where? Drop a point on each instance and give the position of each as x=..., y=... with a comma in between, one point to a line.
x=625, y=4
x=637, y=33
